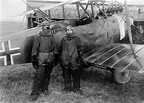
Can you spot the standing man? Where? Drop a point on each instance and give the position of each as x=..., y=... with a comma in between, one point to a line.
x=70, y=54
x=44, y=54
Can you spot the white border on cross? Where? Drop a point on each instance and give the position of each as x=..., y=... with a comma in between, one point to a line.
x=11, y=55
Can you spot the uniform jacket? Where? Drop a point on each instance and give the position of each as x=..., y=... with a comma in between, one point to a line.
x=44, y=47
x=70, y=48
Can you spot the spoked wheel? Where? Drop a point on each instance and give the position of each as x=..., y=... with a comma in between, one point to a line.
x=121, y=77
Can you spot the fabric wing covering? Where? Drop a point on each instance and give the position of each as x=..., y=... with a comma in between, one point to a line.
x=118, y=56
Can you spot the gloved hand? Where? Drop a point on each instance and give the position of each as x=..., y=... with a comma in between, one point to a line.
x=89, y=63
x=35, y=61
x=86, y=64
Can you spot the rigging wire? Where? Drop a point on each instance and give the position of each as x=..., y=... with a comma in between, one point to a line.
x=39, y=10
x=136, y=32
x=97, y=35
x=115, y=29
x=22, y=21
x=107, y=31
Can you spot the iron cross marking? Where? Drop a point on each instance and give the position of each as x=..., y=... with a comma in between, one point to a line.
x=9, y=52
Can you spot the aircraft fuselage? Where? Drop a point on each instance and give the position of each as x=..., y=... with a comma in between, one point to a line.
x=97, y=33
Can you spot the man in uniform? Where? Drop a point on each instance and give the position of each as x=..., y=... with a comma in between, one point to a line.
x=70, y=54
x=44, y=54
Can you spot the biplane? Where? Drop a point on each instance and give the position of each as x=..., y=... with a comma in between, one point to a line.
x=101, y=31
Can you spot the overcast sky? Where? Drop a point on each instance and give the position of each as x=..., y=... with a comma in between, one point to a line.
x=10, y=8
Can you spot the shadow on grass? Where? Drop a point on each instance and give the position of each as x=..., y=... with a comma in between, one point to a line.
x=100, y=81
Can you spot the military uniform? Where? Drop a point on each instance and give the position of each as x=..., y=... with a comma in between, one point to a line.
x=70, y=53
x=43, y=57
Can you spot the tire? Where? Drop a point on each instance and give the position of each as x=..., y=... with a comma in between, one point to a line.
x=121, y=77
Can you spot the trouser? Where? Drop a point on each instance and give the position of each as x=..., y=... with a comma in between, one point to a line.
x=71, y=78
x=41, y=79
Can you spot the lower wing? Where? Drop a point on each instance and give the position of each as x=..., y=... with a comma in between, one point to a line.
x=117, y=56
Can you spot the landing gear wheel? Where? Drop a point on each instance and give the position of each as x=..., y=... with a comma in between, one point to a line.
x=121, y=77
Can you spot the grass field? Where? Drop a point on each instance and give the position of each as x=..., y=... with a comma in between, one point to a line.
x=16, y=82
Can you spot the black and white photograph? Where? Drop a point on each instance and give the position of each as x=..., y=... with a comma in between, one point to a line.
x=72, y=51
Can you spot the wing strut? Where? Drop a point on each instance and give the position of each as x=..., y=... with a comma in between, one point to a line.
x=129, y=29
x=129, y=33
x=43, y=13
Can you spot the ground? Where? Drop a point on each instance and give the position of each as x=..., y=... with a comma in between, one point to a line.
x=97, y=86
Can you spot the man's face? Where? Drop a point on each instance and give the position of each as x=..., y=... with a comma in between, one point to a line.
x=69, y=30
x=44, y=29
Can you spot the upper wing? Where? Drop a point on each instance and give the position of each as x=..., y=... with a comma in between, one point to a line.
x=117, y=56
x=50, y=6
x=46, y=7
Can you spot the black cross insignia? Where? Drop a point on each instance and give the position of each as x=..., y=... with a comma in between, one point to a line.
x=8, y=52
